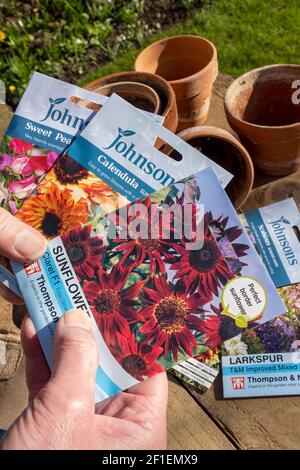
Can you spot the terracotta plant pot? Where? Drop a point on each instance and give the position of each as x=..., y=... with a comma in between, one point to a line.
x=140, y=95
x=167, y=106
x=259, y=107
x=223, y=148
x=190, y=65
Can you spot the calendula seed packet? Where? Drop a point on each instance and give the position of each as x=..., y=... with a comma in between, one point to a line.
x=162, y=279
x=113, y=162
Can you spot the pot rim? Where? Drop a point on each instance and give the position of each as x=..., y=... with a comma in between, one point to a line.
x=242, y=77
x=179, y=36
x=126, y=73
x=141, y=86
x=219, y=132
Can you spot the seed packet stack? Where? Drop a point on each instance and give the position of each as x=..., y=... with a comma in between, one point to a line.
x=265, y=361
x=154, y=300
x=49, y=117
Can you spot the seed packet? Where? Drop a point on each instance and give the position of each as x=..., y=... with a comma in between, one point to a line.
x=43, y=126
x=163, y=279
x=275, y=229
x=110, y=164
x=265, y=361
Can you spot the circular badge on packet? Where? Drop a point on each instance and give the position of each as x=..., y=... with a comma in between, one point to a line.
x=244, y=299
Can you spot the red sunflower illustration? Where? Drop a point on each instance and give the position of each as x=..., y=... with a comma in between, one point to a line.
x=84, y=251
x=203, y=270
x=113, y=305
x=170, y=315
x=218, y=328
x=137, y=359
x=155, y=247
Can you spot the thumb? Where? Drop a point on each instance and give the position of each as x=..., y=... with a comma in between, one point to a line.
x=75, y=361
x=19, y=241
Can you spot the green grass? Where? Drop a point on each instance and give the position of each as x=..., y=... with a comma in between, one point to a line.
x=247, y=34
x=70, y=39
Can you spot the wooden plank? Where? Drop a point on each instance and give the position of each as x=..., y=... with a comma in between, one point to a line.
x=262, y=423
x=288, y=186
x=189, y=427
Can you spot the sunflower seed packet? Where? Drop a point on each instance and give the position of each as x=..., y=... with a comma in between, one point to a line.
x=163, y=279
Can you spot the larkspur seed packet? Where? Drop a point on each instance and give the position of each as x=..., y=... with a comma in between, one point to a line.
x=163, y=279
x=273, y=230
x=265, y=361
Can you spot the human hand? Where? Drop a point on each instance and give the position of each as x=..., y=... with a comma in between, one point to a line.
x=61, y=413
x=18, y=242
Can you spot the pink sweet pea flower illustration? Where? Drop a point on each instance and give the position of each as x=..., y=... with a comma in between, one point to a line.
x=13, y=207
x=23, y=188
x=5, y=161
x=19, y=146
x=3, y=193
x=18, y=164
x=40, y=164
x=51, y=158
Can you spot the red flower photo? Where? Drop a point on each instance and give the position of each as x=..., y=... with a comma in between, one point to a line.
x=139, y=360
x=204, y=270
x=111, y=303
x=84, y=251
x=154, y=249
x=170, y=315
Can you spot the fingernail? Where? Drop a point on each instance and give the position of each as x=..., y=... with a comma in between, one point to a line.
x=30, y=244
x=77, y=318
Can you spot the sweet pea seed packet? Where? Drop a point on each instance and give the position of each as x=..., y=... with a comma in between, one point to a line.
x=163, y=279
x=265, y=361
x=42, y=127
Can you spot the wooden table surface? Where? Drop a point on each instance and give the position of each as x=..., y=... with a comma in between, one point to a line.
x=206, y=421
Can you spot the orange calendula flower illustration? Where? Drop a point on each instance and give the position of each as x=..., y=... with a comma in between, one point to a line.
x=54, y=212
x=102, y=194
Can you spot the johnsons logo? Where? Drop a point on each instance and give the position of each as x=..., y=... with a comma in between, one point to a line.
x=130, y=152
x=63, y=116
x=279, y=231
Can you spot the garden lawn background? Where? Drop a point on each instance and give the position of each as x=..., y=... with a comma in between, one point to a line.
x=79, y=41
